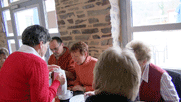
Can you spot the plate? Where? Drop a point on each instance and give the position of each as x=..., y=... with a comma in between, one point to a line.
x=77, y=98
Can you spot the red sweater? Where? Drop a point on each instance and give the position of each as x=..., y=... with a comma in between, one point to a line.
x=24, y=77
x=84, y=73
x=65, y=62
x=151, y=91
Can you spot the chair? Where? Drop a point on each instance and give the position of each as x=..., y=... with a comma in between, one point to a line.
x=176, y=79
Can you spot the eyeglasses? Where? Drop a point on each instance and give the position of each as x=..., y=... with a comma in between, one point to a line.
x=55, y=49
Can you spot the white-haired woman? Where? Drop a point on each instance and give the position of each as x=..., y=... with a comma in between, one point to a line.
x=116, y=76
x=156, y=84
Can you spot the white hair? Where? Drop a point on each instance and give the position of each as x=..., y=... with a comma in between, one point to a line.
x=117, y=71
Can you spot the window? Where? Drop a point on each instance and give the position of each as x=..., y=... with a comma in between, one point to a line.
x=4, y=3
x=164, y=46
x=52, y=17
x=7, y=23
x=153, y=12
x=11, y=44
x=19, y=14
x=156, y=22
x=25, y=18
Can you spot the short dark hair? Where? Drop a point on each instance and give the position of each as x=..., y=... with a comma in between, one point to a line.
x=58, y=39
x=32, y=35
x=81, y=46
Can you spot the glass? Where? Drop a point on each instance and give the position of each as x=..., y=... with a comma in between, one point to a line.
x=11, y=45
x=165, y=46
x=153, y=12
x=51, y=16
x=4, y=3
x=25, y=18
x=7, y=23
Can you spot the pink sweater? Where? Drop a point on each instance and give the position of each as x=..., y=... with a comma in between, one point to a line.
x=24, y=77
x=84, y=73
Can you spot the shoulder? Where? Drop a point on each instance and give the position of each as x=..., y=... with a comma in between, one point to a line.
x=155, y=68
x=51, y=59
x=22, y=55
x=67, y=49
x=25, y=60
x=27, y=57
x=66, y=56
x=92, y=59
x=51, y=56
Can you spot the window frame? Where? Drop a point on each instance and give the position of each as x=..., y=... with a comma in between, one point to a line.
x=128, y=28
x=23, y=4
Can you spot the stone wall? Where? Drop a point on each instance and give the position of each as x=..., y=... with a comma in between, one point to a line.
x=90, y=21
x=96, y=22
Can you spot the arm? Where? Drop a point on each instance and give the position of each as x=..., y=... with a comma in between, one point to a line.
x=69, y=75
x=88, y=88
x=77, y=85
x=82, y=88
x=39, y=83
x=168, y=91
x=71, y=70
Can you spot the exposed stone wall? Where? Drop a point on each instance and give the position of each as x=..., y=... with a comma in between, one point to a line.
x=3, y=42
x=88, y=21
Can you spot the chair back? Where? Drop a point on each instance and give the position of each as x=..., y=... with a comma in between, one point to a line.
x=176, y=79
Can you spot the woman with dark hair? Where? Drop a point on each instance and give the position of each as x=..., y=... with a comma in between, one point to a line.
x=24, y=76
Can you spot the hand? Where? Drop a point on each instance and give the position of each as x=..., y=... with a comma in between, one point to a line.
x=56, y=99
x=78, y=88
x=89, y=93
x=60, y=78
x=53, y=67
x=69, y=88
